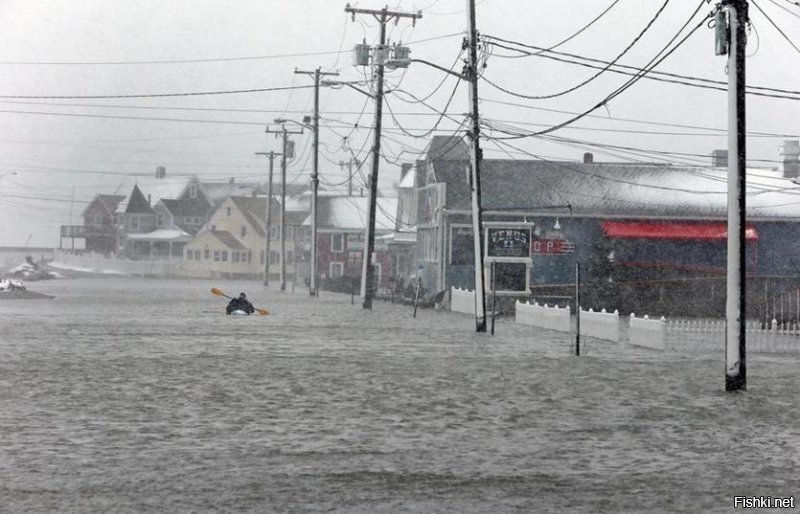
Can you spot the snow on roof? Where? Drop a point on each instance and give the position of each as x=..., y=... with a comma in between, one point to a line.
x=615, y=189
x=408, y=181
x=162, y=235
x=156, y=188
x=350, y=212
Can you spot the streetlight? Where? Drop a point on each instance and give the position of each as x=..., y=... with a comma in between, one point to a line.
x=312, y=279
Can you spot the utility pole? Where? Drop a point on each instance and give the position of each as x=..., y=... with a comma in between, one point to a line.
x=383, y=16
x=735, y=307
x=282, y=231
x=471, y=72
x=268, y=222
x=315, y=178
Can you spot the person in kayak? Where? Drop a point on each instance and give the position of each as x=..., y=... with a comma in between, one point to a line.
x=240, y=304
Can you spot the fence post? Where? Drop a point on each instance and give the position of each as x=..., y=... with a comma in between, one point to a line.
x=577, y=309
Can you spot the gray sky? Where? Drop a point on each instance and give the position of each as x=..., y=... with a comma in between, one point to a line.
x=52, y=48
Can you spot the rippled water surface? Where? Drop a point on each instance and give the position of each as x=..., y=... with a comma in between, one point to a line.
x=140, y=395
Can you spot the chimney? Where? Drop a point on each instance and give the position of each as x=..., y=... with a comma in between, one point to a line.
x=148, y=200
x=719, y=158
x=790, y=155
x=230, y=180
x=588, y=158
x=161, y=172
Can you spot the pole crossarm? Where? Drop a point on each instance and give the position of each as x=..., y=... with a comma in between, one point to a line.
x=384, y=15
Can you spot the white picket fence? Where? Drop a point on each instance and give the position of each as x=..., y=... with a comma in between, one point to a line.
x=709, y=335
x=462, y=300
x=602, y=325
x=659, y=334
x=552, y=318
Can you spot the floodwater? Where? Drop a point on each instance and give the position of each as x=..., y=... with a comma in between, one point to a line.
x=140, y=395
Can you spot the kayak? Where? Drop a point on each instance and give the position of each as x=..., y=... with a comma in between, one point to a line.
x=240, y=312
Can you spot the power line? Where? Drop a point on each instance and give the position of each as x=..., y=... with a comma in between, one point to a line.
x=652, y=64
x=603, y=70
x=212, y=59
x=153, y=95
x=782, y=33
x=622, y=69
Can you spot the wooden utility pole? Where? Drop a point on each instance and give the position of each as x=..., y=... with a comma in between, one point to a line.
x=268, y=221
x=735, y=307
x=383, y=16
x=313, y=273
x=282, y=230
x=471, y=72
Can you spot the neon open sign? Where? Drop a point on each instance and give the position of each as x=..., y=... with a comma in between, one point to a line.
x=551, y=246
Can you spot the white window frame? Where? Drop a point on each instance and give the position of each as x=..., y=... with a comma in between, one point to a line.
x=338, y=266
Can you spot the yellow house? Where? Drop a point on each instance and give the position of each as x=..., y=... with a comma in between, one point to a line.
x=232, y=243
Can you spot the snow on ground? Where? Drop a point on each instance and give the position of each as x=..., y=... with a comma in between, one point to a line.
x=70, y=267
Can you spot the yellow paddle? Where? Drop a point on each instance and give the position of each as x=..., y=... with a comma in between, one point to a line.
x=218, y=292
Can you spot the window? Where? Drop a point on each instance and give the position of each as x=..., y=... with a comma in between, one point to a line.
x=336, y=269
x=213, y=228
x=224, y=256
x=262, y=256
x=337, y=242
x=229, y=211
x=235, y=256
x=188, y=255
x=160, y=219
x=244, y=230
x=192, y=190
x=273, y=232
x=206, y=253
x=98, y=221
x=289, y=232
x=197, y=255
x=134, y=223
x=216, y=255
x=274, y=257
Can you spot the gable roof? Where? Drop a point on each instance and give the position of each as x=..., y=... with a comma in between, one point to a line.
x=185, y=207
x=156, y=188
x=137, y=203
x=108, y=202
x=615, y=190
x=254, y=209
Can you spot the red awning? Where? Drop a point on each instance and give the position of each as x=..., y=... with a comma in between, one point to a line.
x=676, y=231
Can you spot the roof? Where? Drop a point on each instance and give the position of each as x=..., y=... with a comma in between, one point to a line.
x=186, y=207
x=156, y=188
x=675, y=231
x=161, y=235
x=218, y=191
x=616, y=190
x=137, y=203
x=408, y=181
x=228, y=239
x=350, y=213
x=109, y=202
x=254, y=209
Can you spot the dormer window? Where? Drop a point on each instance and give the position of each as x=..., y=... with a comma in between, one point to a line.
x=192, y=190
x=229, y=211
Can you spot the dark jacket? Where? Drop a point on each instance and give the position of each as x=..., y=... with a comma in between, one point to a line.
x=240, y=304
